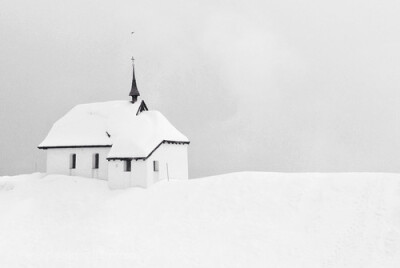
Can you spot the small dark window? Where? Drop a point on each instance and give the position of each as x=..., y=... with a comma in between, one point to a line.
x=155, y=166
x=127, y=165
x=95, y=164
x=72, y=161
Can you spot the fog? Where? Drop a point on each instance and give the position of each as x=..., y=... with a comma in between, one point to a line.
x=284, y=85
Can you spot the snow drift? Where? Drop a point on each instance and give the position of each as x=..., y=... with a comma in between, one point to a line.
x=234, y=220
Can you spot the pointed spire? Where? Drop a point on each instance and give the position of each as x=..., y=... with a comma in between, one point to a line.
x=134, y=90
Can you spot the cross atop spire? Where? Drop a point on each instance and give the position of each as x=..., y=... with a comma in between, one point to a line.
x=134, y=90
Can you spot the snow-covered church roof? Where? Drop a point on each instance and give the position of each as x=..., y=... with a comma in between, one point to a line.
x=117, y=124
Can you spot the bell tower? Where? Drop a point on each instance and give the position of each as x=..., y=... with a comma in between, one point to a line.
x=134, y=90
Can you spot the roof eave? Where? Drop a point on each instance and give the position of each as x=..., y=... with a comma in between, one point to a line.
x=74, y=146
x=146, y=157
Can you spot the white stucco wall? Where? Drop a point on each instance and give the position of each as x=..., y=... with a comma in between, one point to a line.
x=118, y=178
x=172, y=159
x=173, y=164
x=58, y=162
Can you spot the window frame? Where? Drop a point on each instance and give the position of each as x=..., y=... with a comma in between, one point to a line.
x=127, y=165
x=72, y=161
x=156, y=166
x=96, y=161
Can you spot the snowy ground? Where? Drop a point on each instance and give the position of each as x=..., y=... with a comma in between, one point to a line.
x=234, y=220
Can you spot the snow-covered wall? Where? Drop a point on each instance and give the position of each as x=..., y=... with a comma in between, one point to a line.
x=118, y=178
x=58, y=162
x=172, y=164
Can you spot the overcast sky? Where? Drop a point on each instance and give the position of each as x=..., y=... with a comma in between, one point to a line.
x=279, y=85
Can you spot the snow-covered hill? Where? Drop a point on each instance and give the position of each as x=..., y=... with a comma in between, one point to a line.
x=233, y=220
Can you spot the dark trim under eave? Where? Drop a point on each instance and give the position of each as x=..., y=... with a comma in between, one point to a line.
x=74, y=146
x=144, y=158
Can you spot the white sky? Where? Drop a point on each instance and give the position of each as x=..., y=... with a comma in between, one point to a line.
x=279, y=85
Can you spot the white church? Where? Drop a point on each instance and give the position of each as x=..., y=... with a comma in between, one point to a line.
x=119, y=141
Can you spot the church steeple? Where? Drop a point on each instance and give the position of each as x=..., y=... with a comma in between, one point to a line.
x=134, y=90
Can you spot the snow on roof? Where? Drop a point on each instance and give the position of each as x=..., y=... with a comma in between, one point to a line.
x=115, y=124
